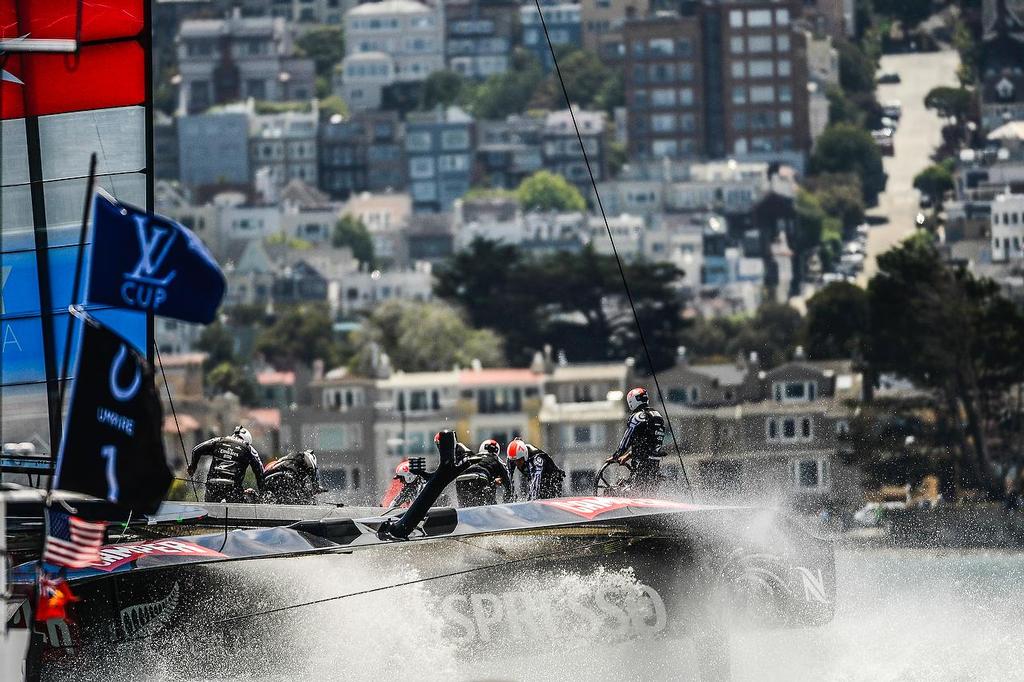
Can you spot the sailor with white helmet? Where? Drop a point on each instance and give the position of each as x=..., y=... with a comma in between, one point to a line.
x=641, y=443
x=231, y=455
x=542, y=475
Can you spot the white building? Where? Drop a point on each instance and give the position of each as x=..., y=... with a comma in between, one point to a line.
x=1008, y=228
x=364, y=289
x=284, y=147
x=388, y=42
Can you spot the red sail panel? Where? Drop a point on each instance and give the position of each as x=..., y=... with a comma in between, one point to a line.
x=96, y=77
x=101, y=19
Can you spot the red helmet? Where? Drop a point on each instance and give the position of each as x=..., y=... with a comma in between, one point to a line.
x=517, y=449
x=489, y=447
x=402, y=472
x=437, y=438
x=636, y=398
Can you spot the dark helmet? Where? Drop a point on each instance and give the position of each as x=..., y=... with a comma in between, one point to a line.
x=489, y=447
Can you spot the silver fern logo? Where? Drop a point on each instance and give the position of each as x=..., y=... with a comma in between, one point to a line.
x=142, y=620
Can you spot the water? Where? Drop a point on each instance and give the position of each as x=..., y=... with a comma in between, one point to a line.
x=901, y=615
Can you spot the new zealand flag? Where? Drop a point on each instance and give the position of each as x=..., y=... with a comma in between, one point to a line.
x=112, y=446
x=143, y=261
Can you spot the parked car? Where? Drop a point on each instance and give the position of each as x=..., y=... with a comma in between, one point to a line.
x=853, y=247
x=889, y=122
x=892, y=109
x=888, y=77
x=925, y=202
x=883, y=138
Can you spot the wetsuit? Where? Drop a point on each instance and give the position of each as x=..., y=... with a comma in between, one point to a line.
x=401, y=494
x=478, y=484
x=645, y=433
x=294, y=479
x=543, y=478
x=231, y=457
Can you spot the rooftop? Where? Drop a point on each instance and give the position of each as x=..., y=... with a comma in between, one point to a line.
x=478, y=377
x=388, y=7
x=275, y=378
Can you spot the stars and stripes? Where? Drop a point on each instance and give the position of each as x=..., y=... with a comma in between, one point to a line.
x=72, y=542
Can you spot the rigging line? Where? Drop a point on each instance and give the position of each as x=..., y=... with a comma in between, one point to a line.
x=181, y=439
x=615, y=251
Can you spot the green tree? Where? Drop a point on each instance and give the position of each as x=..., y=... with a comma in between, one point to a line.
x=351, y=232
x=325, y=45
x=547, y=191
x=333, y=105
x=509, y=92
x=299, y=335
x=841, y=108
x=950, y=333
x=227, y=376
x=934, y=181
x=423, y=337
x=856, y=69
x=841, y=197
x=773, y=333
x=949, y=102
x=441, y=88
x=810, y=219
x=844, y=148
x=586, y=79
x=837, y=319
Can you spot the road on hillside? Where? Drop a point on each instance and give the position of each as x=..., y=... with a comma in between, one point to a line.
x=919, y=133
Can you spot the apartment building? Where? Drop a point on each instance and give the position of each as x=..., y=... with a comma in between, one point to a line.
x=509, y=150
x=439, y=147
x=283, y=147
x=213, y=148
x=236, y=58
x=602, y=21
x=726, y=79
x=1007, y=228
x=480, y=36
x=362, y=153
x=387, y=43
x=562, y=153
x=563, y=24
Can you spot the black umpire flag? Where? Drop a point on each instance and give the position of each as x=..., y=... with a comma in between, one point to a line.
x=112, y=446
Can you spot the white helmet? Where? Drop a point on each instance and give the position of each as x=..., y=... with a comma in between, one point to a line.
x=636, y=398
x=243, y=433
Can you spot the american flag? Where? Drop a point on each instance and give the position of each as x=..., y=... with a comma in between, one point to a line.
x=72, y=542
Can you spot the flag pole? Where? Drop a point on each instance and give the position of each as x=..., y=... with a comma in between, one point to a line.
x=75, y=292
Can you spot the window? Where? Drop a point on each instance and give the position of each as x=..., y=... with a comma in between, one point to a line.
x=455, y=139
x=663, y=123
x=795, y=391
x=761, y=68
x=782, y=43
x=786, y=118
x=784, y=67
x=686, y=97
x=738, y=69
x=678, y=395
x=581, y=434
x=759, y=18
x=810, y=474
x=421, y=167
x=761, y=94
x=789, y=429
x=805, y=428
x=684, y=48
x=662, y=47
x=760, y=44
x=785, y=93
x=687, y=123
x=762, y=120
x=736, y=18
x=450, y=163
x=842, y=428
x=418, y=141
x=685, y=71
x=739, y=121
x=660, y=148
x=584, y=434
x=499, y=400
x=782, y=17
x=663, y=97
x=739, y=94
x=736, y=45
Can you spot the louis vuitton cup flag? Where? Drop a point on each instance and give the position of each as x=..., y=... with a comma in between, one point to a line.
x=112, y=446
x=143, y=261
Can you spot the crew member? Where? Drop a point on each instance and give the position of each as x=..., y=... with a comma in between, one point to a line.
x=542, y=476
x=478, y=485
x=641, y=443
x=231, y=455
x=294, y=479
x=405, y=486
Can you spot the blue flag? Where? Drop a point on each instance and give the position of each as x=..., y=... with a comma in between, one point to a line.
x=143, y=261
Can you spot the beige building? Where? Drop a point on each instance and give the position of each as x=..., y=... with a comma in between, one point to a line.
x=602, y=22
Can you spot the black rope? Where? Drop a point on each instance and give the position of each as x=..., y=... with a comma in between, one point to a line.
x=615, y=251
x=181, y=439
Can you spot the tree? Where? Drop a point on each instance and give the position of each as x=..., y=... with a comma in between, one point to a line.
x=351, y=232
x=910, y=13
x=299, y=335
x=228, y=377
x=856, y=69
x=217, y=341
x=773, y=334
x=441, y=88
x=547, y=191
x=949, y=102
x=934, y=181
x=424, y=337
x=509, y=92
x=837, y=318
x=948, y=332
x=325, y=45
x=810, y=218
x=586, y=79
x=333, y=105
x=845, y=148
x=841, y=197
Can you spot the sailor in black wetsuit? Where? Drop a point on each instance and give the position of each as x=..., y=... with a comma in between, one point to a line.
x=293, y=479
x=543, y=477
x=232, y=455
x=478, y=485
x=641, y=443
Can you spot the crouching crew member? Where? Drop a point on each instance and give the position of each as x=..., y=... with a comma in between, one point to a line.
x=542, y=476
